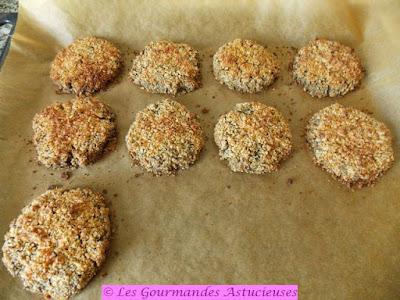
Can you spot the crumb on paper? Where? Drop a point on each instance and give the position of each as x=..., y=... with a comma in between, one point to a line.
x=66, y=175
x=54, y=186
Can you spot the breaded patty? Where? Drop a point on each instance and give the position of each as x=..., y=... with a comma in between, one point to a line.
x=327, y=68
x=58, y=242
x=86, y=66
x=73, y=133
x=352, y=146
x=165, y=137
x=253, y=138
x=245, y=66
x=166, y=67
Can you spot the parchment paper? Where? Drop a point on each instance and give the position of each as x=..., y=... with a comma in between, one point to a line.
x=208, y=225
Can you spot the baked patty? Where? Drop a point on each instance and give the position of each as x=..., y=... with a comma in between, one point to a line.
x=165, y=137
x=253, y=138
x=245, y=66
x=73, y=133
x=86, y=66
x=166, y=67
x=327, y=68
x=58, y=242
x=352, y=146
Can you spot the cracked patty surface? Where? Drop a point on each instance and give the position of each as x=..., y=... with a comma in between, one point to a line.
x=58, y=242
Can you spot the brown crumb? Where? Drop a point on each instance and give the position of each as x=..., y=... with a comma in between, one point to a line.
x=228, y=186
x=205, y=110
x=54, y=186
x=290, y=181
x=104, y=192
x=66, y=175
x=368, y=112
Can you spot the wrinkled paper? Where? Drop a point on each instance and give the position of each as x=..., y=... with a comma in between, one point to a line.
x=208, y=225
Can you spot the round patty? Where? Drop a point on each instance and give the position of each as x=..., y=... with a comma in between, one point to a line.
x=253, y=138
x=165, y=137
x=167, y=67
x=58, y=242
x=73, y=133
x=86, y=66
x=245, y=66
x=352, y=146
x=327, y=68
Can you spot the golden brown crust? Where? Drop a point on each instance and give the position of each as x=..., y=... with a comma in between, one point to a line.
x=327, y=68
x=165, y=137
x=253, y=138
x=167, y=67
x=86, y=66
x=245, y=66
x=58, y=242
x=352, y=146
x=73, y=133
